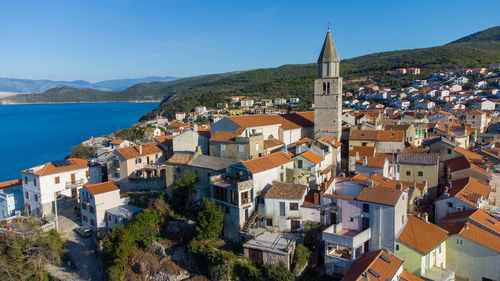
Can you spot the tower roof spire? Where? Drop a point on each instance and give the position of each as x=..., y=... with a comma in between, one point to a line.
x=328, y=52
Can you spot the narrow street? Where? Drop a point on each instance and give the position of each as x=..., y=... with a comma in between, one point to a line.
x=81, y=250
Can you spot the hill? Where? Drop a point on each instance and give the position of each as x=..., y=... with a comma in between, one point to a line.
x=38, y=86
x=490, y=34
x=290, y=80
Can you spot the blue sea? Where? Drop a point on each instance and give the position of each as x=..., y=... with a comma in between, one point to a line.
x=34, y=134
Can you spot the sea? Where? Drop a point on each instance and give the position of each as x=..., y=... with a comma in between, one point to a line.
x=34, y=134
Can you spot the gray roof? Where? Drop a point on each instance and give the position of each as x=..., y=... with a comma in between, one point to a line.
x=419, y=158
x=279, y=243
x=328, y=52
x=123, y=211
x=210, y=162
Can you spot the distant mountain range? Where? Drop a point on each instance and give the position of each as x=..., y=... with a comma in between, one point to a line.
x=38, y=86
x=478, y=49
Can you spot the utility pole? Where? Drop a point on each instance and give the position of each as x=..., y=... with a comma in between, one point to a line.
x=55, y=205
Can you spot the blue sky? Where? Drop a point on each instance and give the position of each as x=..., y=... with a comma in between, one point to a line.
x=109, y=39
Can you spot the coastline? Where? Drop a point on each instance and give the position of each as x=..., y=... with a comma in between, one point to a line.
x=70, y=102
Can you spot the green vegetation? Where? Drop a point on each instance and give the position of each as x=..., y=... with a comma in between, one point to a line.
x=82, y=151
x=210, y=220
x=312, y=230
x=490, y=34
x=182, y=189
x=132, y=134
x=122, y=241
x=302, y=254
x=24, y=258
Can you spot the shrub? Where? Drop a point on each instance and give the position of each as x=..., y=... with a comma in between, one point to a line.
x=210, y=220
x=311, y=230
x=182, y=188
x=244, y=271
x=301, y=257
x=279, y=273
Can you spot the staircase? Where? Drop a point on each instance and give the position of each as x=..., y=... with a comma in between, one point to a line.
x=250, y=223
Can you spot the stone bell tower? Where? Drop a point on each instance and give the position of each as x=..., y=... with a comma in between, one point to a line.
x=328, y=93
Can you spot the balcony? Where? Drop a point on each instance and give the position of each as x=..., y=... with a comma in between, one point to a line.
x=231, y=183
x=74, y=184
x=345, y=238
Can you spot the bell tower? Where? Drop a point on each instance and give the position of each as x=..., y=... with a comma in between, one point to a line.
x=328, y=92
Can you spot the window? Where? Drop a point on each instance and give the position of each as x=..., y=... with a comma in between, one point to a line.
x=366, y=208
x=138, y=160
x=240, y=148
x=27, y=195
x=109, y=217
x=397, y=247
x=87, y=174
x=116, y=221
x=450, y=205
x=36, y=197
x=227, y=210
x=34, y=182
x=420, y=173
x=294, y=206
x=257, y=146
x=84, y=206
x=363, y=144
x=269, y=222
x=460, y=241
x=38, y=211
x=244, y=197
x=299, y=164
x=92, y=222
x=57, y=180
x=85, y=219
x=117, y=175
x=91, y=209
x=408, y=173
x=449, y=150
x=282, y=209
x=440, y=248
x=351, y=219
x=222, y=147
x=26, y=180
x=156, y=156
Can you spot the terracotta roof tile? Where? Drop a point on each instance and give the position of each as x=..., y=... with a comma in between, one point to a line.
x=377, y=135
x=11, y=183
x=375, y=162
x=380, y=196
x=477, y=215
x=226, y=136
x=102, y=187
x=50, y=168
x=133, y=151
x=422, y=236
x=469, y=190
x=267, y=162
x=474, y=233
x=362, y=151
x=281, y=190
x=311, y=156
x=468, y=154
x=272, y=143
x=406, y=276
x=117, y=141
x=180, y=158
x=384, y=265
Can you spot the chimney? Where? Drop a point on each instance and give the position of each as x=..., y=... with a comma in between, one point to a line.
x=140, y=149
x=365, y=161
x=369, y=184
x=466, y=225
x=446, y=195
x=399, y=185
x=195, y=127
x=316, y=198
x=426, y=217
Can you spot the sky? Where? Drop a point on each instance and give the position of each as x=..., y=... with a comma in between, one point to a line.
x=114, y=39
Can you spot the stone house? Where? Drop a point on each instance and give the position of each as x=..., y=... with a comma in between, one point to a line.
x=383, y=141
x=271, y=249
x=408, y=129
x=420, y=168
x=282, y=207
x=129, y=165
x=226, y=144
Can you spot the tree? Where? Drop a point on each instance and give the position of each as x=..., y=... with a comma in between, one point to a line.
x=24, y=258
x=82, y=151
x=182, y=188
x=210, y=220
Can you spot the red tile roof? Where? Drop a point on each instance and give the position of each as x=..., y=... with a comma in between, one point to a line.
x=50, y=168
x=267, y=162
x=469, y=190
x=311, y=156
x=474, y=233
x=133, y=151
x=281, y=190
x=422, y=236
x=102, y=187
x=380, y=196
x=11, y=183
x=384, y=265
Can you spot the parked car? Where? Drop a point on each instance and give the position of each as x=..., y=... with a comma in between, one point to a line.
x=84, y=231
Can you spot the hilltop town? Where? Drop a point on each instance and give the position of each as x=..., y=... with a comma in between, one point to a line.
x=372, y=184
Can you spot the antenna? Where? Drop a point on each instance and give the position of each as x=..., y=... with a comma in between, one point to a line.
x=329, y=24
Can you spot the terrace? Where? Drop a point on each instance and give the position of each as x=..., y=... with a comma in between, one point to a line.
x=21, y=225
